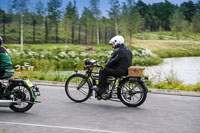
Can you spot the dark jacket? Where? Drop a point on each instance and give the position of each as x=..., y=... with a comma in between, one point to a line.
x=120, y=60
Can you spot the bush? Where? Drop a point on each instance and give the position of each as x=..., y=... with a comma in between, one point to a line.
x=67, y=58
x=174, y=84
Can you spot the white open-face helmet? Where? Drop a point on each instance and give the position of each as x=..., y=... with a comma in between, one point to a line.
x=117, y=40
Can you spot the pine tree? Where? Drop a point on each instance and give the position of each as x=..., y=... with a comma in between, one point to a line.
x=39, y=17
x=87, y=20
x=130, y=19
x=3, y=22
x=20, y=8
x=114, y=13
x=54, y=14
x=196, y=23
x=71, y=18
x=188, y=9
x=178, y=23
x=94, y=4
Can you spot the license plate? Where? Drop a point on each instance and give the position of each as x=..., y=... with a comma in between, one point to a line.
x=28, y=83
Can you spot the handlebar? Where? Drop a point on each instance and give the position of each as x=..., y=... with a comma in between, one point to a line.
x=91, y=63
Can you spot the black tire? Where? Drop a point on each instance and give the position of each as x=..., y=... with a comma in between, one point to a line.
x=72, y=84
x=24, y=94
x=130, y=89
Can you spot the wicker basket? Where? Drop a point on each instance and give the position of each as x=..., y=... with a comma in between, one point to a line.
x=134, y=71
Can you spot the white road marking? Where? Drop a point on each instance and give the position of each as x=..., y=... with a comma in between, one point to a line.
x=61, y=127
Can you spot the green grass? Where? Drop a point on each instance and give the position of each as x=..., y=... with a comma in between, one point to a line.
x=170, y=48
x=166, y=35
x=172, y=83
x=176, y=85
x=37, y=75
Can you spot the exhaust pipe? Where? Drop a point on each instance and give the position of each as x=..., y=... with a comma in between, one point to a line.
x=7, y=103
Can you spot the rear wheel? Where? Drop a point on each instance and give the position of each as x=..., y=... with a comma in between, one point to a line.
x=23, y=95
x=77, y=88
x=132, y=93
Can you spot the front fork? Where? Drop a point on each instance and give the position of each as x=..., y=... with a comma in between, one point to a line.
x=81, y=84
x=83, y=81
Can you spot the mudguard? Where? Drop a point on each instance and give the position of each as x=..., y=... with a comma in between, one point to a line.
x=17, y=82
x=135, y=79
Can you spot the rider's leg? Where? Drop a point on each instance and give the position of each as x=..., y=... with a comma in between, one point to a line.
x=102, y=81
x=102, y=78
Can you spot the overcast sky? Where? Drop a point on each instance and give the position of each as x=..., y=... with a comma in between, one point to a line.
x=104, y=4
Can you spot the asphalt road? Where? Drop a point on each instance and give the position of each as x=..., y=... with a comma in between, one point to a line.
x=56, y=113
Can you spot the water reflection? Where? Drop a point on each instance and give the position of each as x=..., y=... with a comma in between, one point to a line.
x=185, y=69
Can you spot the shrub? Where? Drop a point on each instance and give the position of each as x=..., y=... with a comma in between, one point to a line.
x=59, y=59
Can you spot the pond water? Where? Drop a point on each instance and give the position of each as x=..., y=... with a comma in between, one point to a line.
x=185, y=69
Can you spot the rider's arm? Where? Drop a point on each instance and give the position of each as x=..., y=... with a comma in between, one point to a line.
x=114, y=58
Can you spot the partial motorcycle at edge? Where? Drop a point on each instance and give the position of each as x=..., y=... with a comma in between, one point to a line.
x=18, y=94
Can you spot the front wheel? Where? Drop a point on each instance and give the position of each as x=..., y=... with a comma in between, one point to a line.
x=23, y=94
x=77, y=88
x=132, y=93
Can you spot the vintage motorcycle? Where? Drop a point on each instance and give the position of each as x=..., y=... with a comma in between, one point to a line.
x=131, y=91
x=18, y=94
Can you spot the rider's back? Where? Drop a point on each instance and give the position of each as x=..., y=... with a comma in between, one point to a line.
x=120, y=60
x=6, y=68
x=5, y=60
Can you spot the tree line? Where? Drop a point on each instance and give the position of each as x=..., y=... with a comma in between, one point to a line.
x=49, y=23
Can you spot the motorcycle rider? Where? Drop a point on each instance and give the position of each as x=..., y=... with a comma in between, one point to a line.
x=6, y=69
x=116, y=66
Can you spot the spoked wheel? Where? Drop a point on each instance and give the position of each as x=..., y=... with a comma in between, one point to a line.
x=23, y=95
x=132, y=93
x=77, y=88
